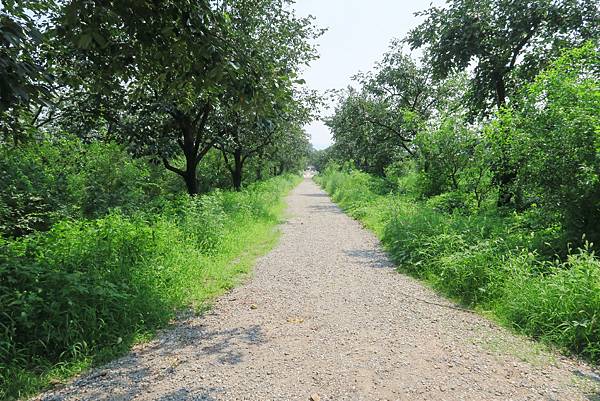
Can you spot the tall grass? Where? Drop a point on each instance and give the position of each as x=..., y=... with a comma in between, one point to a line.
x=84, y=291
x=503, y=264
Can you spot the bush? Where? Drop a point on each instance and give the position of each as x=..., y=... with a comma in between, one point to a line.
x=452, y=159
x=474, y=274
x=486, y=259
x=108, y=178
x=35, y=186
x=561, y=306
x=52, y=180
x=449, y=202
x=550, y=138
x=86, y=287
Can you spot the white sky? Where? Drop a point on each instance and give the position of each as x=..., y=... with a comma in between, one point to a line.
x=359, y=32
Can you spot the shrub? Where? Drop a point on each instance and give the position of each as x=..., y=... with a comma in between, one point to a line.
x=473, y=274
x=51, y=180
x=551, y=140
x=87, y=287
x=561, y=306
x=35, y=189
x=499, y=262
x=449, y=202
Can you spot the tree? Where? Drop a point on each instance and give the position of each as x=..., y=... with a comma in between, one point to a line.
x=552, y=136
x=444, y=153
x=277, y=41
x=154, y=69
x=355, y=140
x=505, y=40
x=377, y=124
x=24, y=79
x=319, y=158
x=399, y=97
x=158, y=81
x=244, y=140
x=290, y=153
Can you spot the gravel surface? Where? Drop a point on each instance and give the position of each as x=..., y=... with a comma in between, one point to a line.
x=326, y=317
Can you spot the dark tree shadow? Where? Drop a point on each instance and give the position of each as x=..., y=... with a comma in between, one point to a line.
x=226, y=351
x=184, y=394
x=315, y=195
x=594, y=378
x=325, y=208
x=371, y=258
x=126, y=378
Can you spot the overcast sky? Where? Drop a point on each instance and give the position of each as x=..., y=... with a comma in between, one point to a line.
x=359, y=32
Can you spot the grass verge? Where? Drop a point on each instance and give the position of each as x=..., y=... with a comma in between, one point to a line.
x=86, y=291
x=498, y=264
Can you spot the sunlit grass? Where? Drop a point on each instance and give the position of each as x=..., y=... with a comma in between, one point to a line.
x=497, y=264
x=119, y=279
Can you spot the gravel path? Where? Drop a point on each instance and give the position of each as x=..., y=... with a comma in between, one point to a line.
x=325, y=317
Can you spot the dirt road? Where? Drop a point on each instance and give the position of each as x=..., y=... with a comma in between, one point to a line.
x=326, y=317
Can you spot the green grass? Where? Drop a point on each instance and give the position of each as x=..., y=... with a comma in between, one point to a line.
x=86, y=291
x=502, y=265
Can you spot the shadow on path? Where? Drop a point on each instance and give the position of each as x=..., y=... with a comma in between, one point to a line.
x=315, y=195
x=371, y=258
x=142, y=370
x=325, y=208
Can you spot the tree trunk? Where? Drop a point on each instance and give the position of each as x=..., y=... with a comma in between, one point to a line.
x=505, y=177
x=259, y=168
x=237, y=170
x=192, y=144
x=191, y=182
x=189, y=175
x=500, y=89
x=190, y=163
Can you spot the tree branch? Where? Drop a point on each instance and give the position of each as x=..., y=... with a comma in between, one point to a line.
x=172, y=168
x=388, y=127
x=203, y=118
x=520, y=47
x=208, y=146
x=226, y=160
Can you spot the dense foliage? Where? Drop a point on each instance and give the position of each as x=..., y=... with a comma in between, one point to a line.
x=111, y=114
x=86, y=289
x=538, y=153
x=506, y=41
x=551, y=141
x=172, y=83
x=498, y=263
x=483, y=160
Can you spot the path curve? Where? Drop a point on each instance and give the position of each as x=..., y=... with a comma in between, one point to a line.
x=326, y=317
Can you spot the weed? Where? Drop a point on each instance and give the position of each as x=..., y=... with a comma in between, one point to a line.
x=495, y=262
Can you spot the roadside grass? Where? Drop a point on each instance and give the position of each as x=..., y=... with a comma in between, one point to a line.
x=86, y=291
x=501, y=265
x=534, y=353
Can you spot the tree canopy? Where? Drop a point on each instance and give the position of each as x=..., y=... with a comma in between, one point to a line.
x=506, y=42
x=168, y=79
